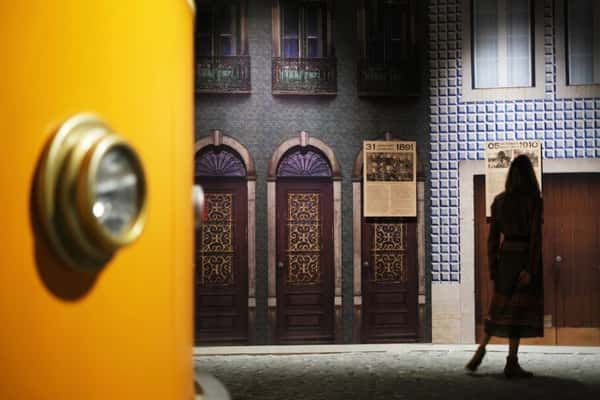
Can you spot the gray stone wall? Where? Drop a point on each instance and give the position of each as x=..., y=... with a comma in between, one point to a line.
x=261, y=122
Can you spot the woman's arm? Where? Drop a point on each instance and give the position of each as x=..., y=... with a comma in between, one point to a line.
x=493, y=241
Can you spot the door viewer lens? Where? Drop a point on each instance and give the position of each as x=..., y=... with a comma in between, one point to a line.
x=90, y=193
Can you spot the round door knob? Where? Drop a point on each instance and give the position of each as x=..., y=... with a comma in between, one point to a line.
x=558, y=259
x=365, y=264
x=280, y=264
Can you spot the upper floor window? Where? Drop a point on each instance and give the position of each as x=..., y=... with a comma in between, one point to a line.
x=583, y=42
x=503, y=54
x=302, y=29
x=502, y=43
x=577, y=43
x=218, y=28
x=222, y=61
x=303, y=53
x=388, y=56
x=389, y=31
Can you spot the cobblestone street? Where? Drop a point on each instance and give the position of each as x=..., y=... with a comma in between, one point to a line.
x=399, y=372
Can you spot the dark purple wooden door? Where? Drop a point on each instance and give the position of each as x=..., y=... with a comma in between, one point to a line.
x=305, y=270
x=221, y=266
x=389, y=280
x=221, y=273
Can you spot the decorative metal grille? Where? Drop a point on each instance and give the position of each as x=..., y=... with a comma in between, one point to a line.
x=304, y=242
x=389, y=236
x=390, y=267
x=304, y=269
x=220, y=207
x=304, y=75
x=303, y=207
x=216, y=241
x=223, y=74
x=389, y=253
x=217, y=270
x=304, y=237
x=216, y=238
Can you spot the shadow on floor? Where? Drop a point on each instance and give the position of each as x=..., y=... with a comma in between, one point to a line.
x=543, y=384
x=388, y=376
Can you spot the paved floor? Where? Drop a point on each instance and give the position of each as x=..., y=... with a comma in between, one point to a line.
x=399, y=372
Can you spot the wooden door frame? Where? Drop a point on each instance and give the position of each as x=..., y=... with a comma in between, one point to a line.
x=217, y=139
x=303, y=139
x=462, y=295
x=357, y=178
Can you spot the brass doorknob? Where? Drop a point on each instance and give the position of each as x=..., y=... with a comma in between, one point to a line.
x=90, y=192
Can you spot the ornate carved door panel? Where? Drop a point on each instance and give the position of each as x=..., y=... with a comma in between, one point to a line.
x=389, y=280
x=221, y=278
x=305, y=270
x=571, y=257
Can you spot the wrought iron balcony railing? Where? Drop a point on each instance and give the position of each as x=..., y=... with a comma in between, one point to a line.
x=312, y=76
x=223, y=74
x=387, y=80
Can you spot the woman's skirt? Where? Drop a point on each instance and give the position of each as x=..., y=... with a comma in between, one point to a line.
x=516, y=311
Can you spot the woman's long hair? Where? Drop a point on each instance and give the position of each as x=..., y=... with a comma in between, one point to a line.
x=521, y=178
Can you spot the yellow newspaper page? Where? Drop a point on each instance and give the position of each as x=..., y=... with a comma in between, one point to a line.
x=498, y=156
x=389, y=179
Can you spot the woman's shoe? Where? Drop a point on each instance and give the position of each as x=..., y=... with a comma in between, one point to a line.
x=514, y=370
x=476, y=360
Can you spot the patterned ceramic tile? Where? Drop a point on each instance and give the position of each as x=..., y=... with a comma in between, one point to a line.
x=569, y=128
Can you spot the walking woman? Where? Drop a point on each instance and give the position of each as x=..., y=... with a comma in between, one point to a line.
x=517, y=306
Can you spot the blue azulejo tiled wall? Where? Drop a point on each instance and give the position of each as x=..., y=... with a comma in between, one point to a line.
x=568, y=128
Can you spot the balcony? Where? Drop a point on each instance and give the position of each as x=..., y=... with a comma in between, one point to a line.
x=298, y=76
x=223, y=74
x=388, y=80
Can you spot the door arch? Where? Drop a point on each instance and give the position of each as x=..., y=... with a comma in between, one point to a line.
x=375, y=303
x=225, y=278
x=305, y=280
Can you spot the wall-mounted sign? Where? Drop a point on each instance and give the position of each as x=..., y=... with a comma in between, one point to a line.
x=498, y=156
x=390, y=179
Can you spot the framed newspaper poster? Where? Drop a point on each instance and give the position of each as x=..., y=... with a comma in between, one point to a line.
x=498, y=156
x=389, y=179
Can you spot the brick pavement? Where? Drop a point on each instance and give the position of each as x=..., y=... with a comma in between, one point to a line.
x=399, y=372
